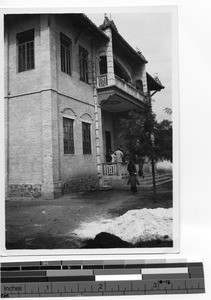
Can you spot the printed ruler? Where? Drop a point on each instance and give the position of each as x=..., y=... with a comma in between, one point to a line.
x=100, y=278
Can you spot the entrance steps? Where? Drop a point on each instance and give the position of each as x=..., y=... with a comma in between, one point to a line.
x=109, y=182
x=159, y=178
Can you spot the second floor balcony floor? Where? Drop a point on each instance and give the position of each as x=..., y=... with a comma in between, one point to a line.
x=115, y=94
x=129, y=88
x=121, y=86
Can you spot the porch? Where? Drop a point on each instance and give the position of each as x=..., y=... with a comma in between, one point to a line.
x=114, y=169
x=115, y=175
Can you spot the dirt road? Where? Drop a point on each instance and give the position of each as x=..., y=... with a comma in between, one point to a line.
x=46, y=224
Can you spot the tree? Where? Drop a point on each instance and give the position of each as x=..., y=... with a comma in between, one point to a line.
x=163, y=140
x=168, y=110
x=144, y=136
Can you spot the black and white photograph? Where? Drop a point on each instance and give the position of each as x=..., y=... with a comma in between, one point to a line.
x=91, y=130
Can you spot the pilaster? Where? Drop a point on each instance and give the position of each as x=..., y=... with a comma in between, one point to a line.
x=110, y=59
x=144, y=79
x=50, y=145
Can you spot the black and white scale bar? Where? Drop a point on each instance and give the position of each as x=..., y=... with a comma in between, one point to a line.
x=91, y=264
x=136, y=287
x=90, y=278
x=49, y=275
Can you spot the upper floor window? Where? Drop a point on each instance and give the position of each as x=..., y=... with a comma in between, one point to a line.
x=83, y=56
x=68, y=136
x=65, y=43
x=25, y=50
x=139, y=85
x=86, y=135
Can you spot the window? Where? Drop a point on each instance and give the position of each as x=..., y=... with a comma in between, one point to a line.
x=25, y=50
x=65, y=43
x=86, y=138
x=83, y=56
x=139, y=85
x=68, y=136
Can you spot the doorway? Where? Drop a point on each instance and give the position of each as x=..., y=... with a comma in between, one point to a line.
x=108, y=140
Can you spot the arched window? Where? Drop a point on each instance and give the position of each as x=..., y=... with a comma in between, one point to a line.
x=139, y=85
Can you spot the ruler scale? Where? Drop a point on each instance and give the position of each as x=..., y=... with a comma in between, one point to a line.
x=100, y=278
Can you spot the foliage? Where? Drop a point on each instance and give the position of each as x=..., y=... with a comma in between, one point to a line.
x=168, y=110
x=163, y=140
x=144, y=136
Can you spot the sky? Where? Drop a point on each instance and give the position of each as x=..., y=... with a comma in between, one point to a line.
x=151, y=33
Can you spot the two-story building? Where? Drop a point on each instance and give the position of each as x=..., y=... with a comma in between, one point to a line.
x=67, y=84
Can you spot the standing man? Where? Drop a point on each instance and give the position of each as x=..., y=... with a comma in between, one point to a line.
x=119, y=157
x=121, y=149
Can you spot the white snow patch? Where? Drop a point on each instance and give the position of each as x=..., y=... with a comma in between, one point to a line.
x=135, y=225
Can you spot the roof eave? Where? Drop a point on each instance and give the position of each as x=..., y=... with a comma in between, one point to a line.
x=86, y=21
x=158, y=86
x=127, y=46
x=122, y=41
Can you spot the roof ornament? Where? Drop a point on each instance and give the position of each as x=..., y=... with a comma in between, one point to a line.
x=106, y=19
x=140, y=53
x=108, y=22
x=156, y=77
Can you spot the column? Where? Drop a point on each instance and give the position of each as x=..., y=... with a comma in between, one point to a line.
x=110, y=59
x=144, y=79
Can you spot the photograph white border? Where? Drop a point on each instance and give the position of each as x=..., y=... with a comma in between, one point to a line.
x=175, y=102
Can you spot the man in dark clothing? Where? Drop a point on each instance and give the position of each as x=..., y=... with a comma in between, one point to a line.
x=131, y=167
x=133, y=181
x=108, y=156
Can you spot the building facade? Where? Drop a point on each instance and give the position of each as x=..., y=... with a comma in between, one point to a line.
x=67, y=84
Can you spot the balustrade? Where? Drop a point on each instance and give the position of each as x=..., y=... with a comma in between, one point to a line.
x=112, y=169
x=129, y=88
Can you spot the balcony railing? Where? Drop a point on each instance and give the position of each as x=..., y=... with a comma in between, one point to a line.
x=102, y=81
x=111, y=169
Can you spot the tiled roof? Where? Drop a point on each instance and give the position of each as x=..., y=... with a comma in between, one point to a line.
x=95, y=28
x=154, y=83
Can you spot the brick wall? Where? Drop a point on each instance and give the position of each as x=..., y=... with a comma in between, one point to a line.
x=38, y=100
x=78, y=164
x=25, y=141
x=23, y=82
x=76, y=101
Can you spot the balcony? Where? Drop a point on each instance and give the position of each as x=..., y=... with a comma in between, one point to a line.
x=119, y=92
